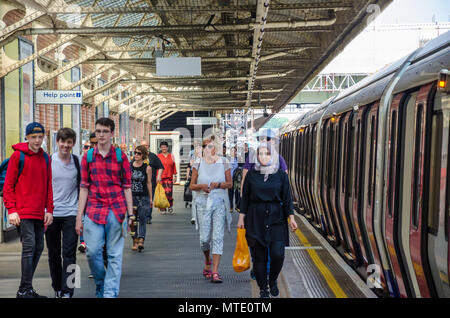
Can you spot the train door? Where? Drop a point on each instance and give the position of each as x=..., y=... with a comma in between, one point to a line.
x=419, y=195
x=351, y=252
x=393, y=214
x=312, y=168
x=438, y=222
x=305, y=169
x=330, y=184
x=298, y=155
x=369, y=183
x=292, y=166
x=405, y=181
x=323, y=180
x=334, y=182
x=322, y=187
x=357, y=193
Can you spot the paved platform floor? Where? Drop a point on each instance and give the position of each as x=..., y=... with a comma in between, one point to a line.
x=171, y=266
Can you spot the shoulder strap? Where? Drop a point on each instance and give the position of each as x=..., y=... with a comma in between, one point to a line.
x=90, y=155
x=21, y=162
x=119, y=155
x=77, y=165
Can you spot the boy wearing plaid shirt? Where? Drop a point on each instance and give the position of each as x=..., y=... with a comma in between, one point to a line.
x=105, y=192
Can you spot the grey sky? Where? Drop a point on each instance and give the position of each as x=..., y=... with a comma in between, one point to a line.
x=415, y=11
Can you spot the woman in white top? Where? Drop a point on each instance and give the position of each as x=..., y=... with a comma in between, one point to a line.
x=211, y=177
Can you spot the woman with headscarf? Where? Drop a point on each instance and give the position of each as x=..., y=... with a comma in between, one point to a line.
x=211, y=177
x=266, y=205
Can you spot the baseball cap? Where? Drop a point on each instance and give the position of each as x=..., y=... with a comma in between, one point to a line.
x=34, y=128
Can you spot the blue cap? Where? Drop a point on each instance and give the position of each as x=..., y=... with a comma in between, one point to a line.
x=34, y=128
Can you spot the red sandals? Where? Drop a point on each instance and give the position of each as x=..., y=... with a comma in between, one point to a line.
x=215, y=278
x=207, y=272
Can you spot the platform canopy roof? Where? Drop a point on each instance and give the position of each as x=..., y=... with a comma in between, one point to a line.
x=254, y=53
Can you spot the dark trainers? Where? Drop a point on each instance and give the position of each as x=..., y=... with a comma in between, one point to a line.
x=58, y=294
x=24, y=294
x=274, y=289
x=30, y=293
x=264, y=294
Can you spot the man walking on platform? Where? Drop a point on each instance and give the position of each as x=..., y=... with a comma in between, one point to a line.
x=28, y=196
x=106, y=189
x=66, y=175
x=157, y=168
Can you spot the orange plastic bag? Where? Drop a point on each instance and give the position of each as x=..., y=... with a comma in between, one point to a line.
x=241, y=257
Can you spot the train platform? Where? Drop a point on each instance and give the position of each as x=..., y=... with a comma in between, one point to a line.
x=171, y=266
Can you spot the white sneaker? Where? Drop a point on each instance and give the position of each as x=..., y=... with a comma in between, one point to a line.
x=192, y=221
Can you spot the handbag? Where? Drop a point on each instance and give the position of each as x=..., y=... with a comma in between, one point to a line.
x=241, y=257
x=160, y=200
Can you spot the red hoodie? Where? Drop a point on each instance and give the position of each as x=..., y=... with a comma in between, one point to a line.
x=32, y=193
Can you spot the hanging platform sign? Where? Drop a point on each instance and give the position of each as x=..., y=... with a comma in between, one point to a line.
x=201, y=121
x=178, y=66
x=59, y=97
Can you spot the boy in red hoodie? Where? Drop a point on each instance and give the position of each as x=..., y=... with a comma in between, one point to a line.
x=29, y=200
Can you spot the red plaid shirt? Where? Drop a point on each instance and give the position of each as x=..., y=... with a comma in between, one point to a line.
x=106, y=188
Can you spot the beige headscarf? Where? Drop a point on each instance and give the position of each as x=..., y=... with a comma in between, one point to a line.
x=274, y=163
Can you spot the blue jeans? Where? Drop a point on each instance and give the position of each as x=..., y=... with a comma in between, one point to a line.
x=95, y=236
x=149, y=211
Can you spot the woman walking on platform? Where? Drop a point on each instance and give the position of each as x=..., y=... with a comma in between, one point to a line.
x=266, y=204
x=211, y=177
x=141, y=188
x=169, y=173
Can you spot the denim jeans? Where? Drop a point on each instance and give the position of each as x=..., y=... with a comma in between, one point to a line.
x=58, y=268
x=32, y=238
x=143, y=205
x=149, y=211
x=111, y=234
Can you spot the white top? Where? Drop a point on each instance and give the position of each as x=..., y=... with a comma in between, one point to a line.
x=208, y=173
x=64, y=183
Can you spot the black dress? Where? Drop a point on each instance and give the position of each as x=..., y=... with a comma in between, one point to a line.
x=267, y=206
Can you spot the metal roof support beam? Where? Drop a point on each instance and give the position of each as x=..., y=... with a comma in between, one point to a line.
x=139, y=91
x=112, y=95
x=22, y=22
x=65, y=68
x=106, y=86
x=262, y=8
x=176, y=79
x=209, y=48
x=89, y=77
x=335, y=5
x=212, y=92
x=168, y=115
x=133, y=106
x=34, y=56
x=153, y=61
x=183, y=29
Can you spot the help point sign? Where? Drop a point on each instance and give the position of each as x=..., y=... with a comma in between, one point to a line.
x=59, y=97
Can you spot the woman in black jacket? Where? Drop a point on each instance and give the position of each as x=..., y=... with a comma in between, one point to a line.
x=266, y=205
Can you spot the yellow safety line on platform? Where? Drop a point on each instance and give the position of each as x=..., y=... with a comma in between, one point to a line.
x=331, y=281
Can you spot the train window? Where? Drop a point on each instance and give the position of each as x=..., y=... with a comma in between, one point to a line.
x=371, y=159
x=417, y=169
x=393, y=139
x=358, y=150
x=344, y=156
x=324, y=172
x=331, y=156
x=350, y=164
x=435, y=177
x=447, y=196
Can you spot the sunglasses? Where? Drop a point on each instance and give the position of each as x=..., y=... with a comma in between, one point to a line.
x=208, y=146
x=85, y=147
x=138, y=153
